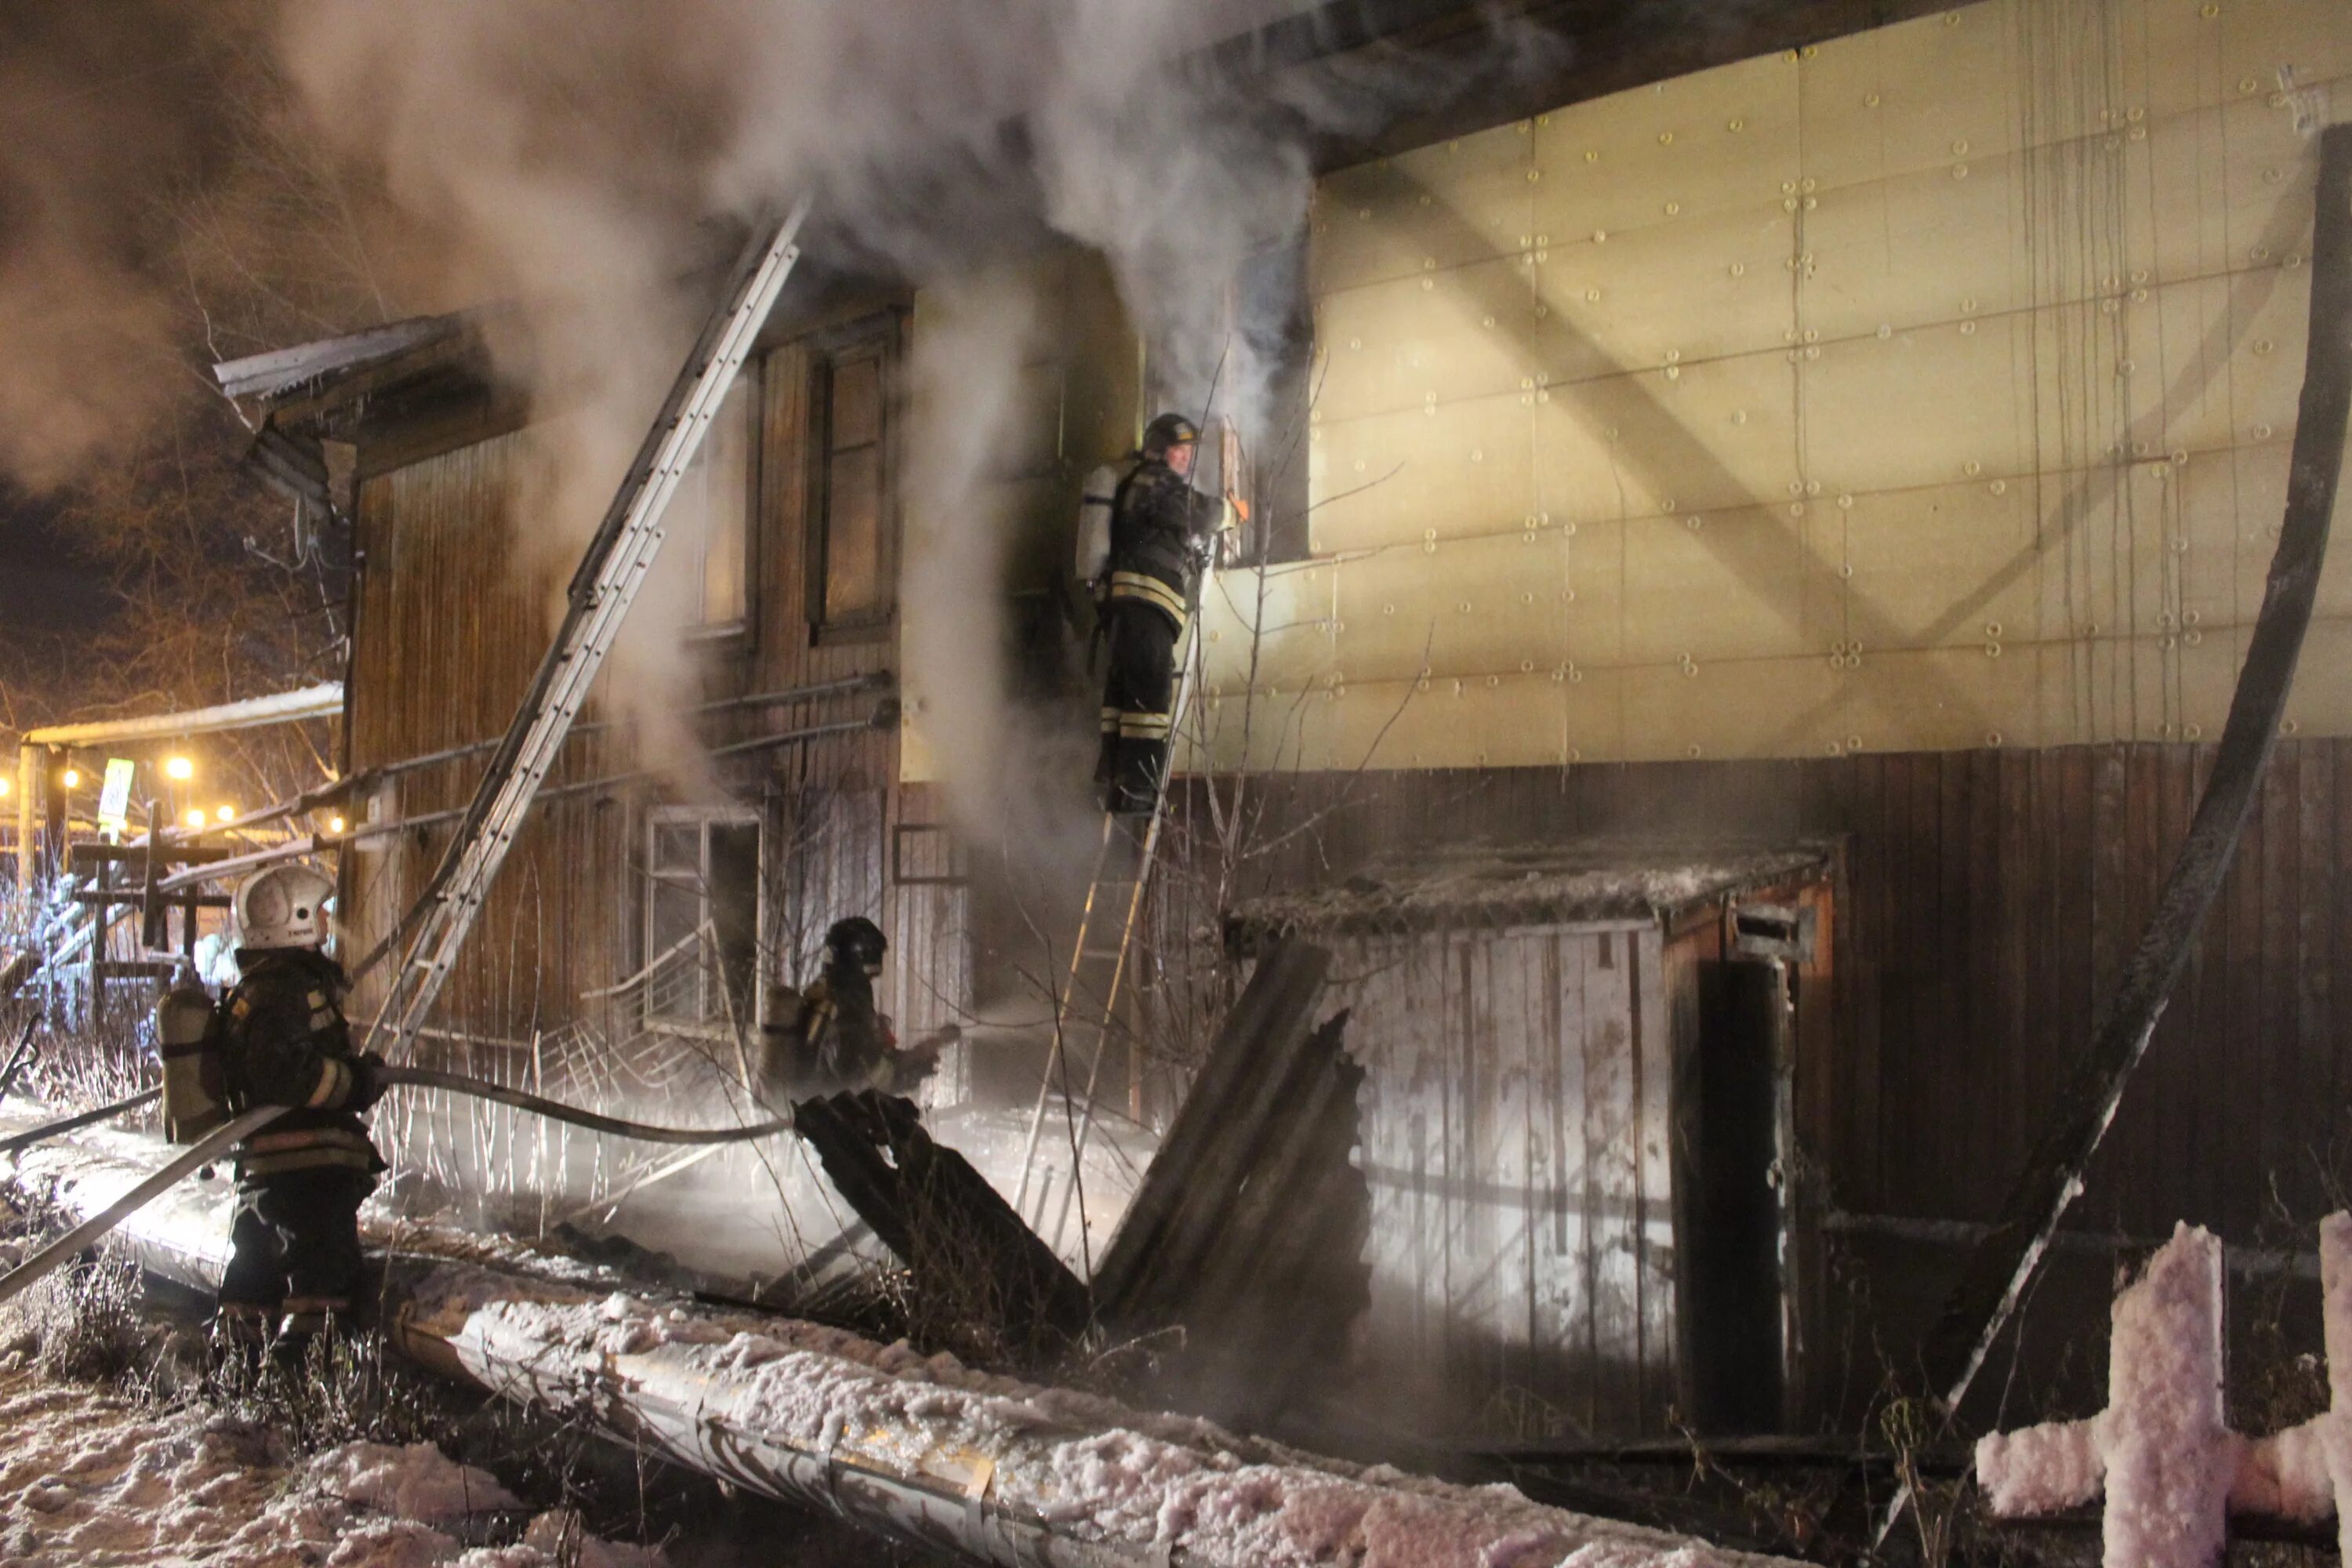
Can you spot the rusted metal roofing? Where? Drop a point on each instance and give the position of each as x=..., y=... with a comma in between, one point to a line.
x=1583, y=882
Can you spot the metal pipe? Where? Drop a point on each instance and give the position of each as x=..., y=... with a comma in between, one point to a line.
x=323, y=701
x=314, y=843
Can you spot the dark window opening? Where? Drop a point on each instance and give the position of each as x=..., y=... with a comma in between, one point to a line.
x=853, y=537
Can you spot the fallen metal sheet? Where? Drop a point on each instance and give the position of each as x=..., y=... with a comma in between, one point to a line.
x=1248, y=1232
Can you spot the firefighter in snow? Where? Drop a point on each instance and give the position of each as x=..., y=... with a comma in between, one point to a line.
x=830, y=1038
x=1162, y=532
x=294, y=1268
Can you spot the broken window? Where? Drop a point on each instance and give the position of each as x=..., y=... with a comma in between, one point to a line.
x=702, y=918
x=853, y=567
x=709, y=513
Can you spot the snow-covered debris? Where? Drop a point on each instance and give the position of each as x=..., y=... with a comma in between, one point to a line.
x=2163, y=1447
x=2305, y=1472
x=765, y=1396
x=93, y=1481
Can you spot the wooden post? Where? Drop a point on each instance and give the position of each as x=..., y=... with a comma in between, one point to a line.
x=101, y=913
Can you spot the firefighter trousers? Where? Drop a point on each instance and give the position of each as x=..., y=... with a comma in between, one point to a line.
x=294, y=1249
x=1136, y=699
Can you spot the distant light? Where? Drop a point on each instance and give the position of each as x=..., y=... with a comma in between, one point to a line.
x=195, y=817
x=334, y=825
x=73, y=778
x=179, y=768
x=4, y=786
x=226, y=813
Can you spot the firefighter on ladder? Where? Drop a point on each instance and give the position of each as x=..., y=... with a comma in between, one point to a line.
x=1162, y=532
x=294, y=1269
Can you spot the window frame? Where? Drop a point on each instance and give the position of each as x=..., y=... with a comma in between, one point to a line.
x=750, y=387
x=882, y=332
x=703, y=820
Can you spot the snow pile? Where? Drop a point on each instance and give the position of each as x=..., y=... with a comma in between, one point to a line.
x=2163, y=1447
x=93, y=1481
x=2169, y=1451
x=1086, y=1466
x=2171, y=1468
x=2304, y=1472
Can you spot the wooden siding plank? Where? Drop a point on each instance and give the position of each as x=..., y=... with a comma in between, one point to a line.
x=1567, y=1288
x=2289, y=1147
x=2320, y=866
x=1651, y=1057
x=2240, y=1046
x=1866, y=1040
x=1612, y=1172
x=1515, y=965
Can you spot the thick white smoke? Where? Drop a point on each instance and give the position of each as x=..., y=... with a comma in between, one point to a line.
x=574, y=157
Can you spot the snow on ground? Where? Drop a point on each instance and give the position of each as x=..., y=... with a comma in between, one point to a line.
x=90, y=1480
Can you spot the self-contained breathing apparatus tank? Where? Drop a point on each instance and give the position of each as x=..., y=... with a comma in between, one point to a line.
x=195, y=1078
x=1093, y=559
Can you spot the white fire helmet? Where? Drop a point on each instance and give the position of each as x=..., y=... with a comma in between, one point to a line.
x=284, y=906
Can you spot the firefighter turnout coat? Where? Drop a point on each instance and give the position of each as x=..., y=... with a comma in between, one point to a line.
x=289, y=1044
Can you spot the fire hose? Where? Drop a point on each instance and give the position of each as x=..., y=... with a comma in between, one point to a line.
x=217, y=1142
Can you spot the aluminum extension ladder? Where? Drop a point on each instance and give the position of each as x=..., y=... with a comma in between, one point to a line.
x=612, y=571
x=1088, y=1003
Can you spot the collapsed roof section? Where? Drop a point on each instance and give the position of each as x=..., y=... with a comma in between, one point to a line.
x=1596, y=882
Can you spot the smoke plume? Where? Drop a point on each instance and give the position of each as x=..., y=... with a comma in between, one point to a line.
x=588, y=164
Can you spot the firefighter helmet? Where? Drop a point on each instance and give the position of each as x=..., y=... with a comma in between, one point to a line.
x=1167, y=430
x=857, y=941
x=284, y=906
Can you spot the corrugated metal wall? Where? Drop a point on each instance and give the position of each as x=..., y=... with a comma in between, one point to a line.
x=1517, y=1140
x=1925, y=385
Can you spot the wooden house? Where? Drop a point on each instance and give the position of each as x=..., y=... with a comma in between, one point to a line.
x=1859, y=425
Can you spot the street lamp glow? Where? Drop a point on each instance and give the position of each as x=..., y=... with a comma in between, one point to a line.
x=226, y=813
x=73, y=778
x=195, y=817
x=179, y=768
x=4, y=786
x=334, y=825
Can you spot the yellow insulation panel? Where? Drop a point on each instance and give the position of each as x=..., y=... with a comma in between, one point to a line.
x=1932, y=387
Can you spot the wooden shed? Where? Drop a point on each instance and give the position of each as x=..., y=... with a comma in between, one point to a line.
x=1576, y=1118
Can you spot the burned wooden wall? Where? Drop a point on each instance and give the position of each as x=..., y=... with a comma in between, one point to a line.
x=1990, y=898
x=452, y=620
x=1517, y=1142
x=449, y=628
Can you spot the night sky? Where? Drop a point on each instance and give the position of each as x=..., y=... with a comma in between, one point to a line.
x=44, y=591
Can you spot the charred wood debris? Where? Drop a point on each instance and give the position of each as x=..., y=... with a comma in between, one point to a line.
x=1233, y=1280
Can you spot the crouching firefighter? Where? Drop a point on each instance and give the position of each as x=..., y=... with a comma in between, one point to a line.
x=829, y=1038
x=294, y=1268
x=1161, y=534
